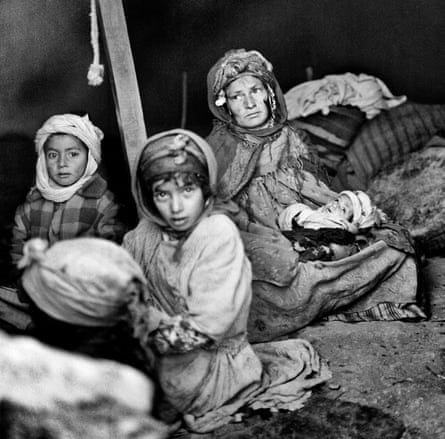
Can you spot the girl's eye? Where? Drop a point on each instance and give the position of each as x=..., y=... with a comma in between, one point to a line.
x=189, y=188
x=51, y=155
x=160, y=196
x=73, y=154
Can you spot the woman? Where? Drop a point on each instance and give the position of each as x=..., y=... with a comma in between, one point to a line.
x=265, y=166
x=194, y=312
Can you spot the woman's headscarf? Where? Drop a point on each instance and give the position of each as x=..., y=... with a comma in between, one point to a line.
x=79, y=127
x=82, y=281
x=176, y=150
x=233, y=65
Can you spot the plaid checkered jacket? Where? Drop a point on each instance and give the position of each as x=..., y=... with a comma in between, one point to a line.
x=91, y=211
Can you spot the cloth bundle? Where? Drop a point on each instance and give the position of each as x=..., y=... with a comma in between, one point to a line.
x=366, y=92
x=362, y=215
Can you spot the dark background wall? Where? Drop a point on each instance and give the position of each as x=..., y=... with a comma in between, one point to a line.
x=45, y=53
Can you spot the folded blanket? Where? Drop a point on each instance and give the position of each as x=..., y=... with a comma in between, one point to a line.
x=366, y=92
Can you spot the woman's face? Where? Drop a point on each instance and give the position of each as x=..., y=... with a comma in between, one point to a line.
x=66, y=159
x=246, y=99
x=179, y=203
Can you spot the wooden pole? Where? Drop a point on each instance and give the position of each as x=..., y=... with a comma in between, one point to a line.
x=123, y=77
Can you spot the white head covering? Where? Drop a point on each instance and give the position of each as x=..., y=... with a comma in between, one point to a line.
x=83, y=281
x=76, y=126
x=365, y=214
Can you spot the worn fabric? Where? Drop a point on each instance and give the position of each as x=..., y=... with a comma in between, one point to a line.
x=73, y=125
x=92, y=211
x=288, y=294
x=83, y=281
x=370, y=94
x=169, y=154
x=211, y=286
x=203, y=299
x=386, y=139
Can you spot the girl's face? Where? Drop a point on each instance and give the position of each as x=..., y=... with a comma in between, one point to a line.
x=66, y=159
x=246, y=99
x=180, y=204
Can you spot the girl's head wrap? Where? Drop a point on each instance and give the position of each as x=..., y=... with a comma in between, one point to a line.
x=83, y=281
x=79, y=127
x=171, y=154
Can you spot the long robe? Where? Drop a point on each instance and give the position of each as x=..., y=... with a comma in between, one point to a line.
x=379, y=282
x=210, y=286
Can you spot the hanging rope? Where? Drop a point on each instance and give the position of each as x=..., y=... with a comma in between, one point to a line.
x=184, y=100
x=95, y=74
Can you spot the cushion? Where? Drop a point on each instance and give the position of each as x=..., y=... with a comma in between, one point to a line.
x=412, y=192
x=392, y=134
x=332, y=134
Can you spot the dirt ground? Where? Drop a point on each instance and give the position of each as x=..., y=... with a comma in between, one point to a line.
x=396, y=367
x=388, y=379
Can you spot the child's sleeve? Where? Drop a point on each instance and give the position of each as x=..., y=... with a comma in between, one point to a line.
x=109, y=225
x=21, y=231
x=219, y=291
x=220, y=284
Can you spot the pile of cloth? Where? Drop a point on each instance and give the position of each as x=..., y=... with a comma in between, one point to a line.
x=366, y=92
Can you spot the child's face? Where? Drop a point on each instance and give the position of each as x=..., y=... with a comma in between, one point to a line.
x=66, y=159
x=180, y=204
x=341, y=206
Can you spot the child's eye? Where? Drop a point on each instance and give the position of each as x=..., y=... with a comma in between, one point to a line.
x=73, y=154
x=51, y=155
x=160, y=196
x=190, y=188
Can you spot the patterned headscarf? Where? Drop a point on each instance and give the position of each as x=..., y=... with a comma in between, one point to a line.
x=233, y=65
x=82, y=281
x=171, y=154
x=79, y=127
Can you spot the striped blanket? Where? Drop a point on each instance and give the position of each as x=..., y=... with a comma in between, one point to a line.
x=386, y=139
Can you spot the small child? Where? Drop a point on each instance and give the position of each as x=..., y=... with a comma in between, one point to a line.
x=70, y=198
x=334, y=230
x=78, y=291
x=195, y=310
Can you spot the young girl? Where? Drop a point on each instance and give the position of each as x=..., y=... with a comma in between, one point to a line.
x=194, y=312
x=70, y=198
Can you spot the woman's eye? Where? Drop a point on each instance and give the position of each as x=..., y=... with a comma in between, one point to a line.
x=235, y=98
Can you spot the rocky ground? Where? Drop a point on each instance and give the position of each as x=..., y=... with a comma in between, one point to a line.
x=388, y=380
